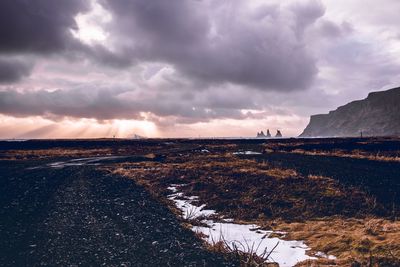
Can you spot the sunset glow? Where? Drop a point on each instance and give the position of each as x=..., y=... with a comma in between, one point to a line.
x=196, y=68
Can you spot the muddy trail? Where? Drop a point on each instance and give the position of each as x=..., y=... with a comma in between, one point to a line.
x=80, y=216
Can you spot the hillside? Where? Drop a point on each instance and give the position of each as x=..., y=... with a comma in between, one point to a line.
x=376, y=115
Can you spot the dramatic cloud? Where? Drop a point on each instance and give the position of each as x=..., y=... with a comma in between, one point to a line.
x=100, y=104
x=106, y=103
x=12, y=70
x=37, y=26
x=42, y=26
x=189, y=67
x=215, y=42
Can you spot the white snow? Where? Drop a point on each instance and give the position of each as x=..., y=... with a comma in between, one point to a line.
x=323, y=255
x=172, y=188
x=245, y=237
x=246, y=153
x=189, y=210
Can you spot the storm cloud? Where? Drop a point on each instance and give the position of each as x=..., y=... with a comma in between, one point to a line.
x=187, y=61
x=100, y=104
x=117, y=103
x=40, y=26
x=214, y=42
x=12, y=70
x=34, y=27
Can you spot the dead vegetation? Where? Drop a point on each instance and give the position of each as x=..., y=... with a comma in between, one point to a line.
x=356, y=154
x=369, y=241
x=52, y=153
x=371, y=149
x=335, y=219
x=247, y=190
x=244, y=253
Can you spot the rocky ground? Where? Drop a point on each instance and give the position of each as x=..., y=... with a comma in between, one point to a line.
x=105, y=202
x=80, y=216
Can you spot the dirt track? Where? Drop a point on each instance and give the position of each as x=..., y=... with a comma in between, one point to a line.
x=79, y=216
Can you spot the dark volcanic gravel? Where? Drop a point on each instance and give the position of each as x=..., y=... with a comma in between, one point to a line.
x=79, y=216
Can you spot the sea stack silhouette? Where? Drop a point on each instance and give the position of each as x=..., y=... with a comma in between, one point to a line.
x=376, y=115
x=260, y=134
x=268, y=135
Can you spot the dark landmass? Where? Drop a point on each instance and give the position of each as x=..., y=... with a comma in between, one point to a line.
x=94, y=202
x=377, y=115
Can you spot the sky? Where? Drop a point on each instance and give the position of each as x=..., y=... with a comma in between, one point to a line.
x=188, y=68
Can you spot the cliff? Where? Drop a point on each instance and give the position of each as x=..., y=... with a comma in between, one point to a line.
x=377, y=115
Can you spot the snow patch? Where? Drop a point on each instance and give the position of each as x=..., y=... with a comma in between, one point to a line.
x=323, y=255
x=245, y=237
x=246, y=153
x=189, y=210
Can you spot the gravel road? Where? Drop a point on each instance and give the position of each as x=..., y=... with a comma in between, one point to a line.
x=79, y=216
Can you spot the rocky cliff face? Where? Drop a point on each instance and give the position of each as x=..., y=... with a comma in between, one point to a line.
x=377, y=115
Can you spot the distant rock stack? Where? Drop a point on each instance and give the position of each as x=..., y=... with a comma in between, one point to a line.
x=268, y=135
x=260, y=134
x=278, y=133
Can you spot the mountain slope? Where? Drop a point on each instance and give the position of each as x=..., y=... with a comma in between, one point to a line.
x=377, y=115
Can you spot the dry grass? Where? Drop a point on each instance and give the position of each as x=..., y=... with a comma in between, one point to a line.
x=329, y=217
x=349, y=239
x=51, y=153
x=245, y=189
x=244, y=253
x=377, y=149
x=356, y=154
x=279, y=199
